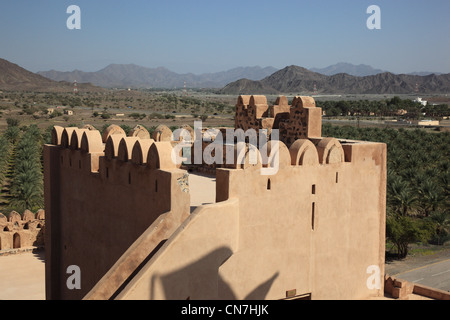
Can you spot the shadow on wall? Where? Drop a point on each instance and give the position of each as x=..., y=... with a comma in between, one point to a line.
x=204, y=274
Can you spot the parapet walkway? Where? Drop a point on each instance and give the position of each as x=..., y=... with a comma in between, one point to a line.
x=202, y=188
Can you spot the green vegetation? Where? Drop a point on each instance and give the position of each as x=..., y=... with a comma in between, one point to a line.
x=27, y=181
x=383, y=108
x=21, y=178
x=417, y=182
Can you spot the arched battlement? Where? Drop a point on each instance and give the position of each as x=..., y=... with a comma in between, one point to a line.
x=243, y=100
x=210, y=135
x=66, y=137
x=14, y=216
x=303, y=153
x=89, y=127
x=191, y=131
x=160, y=156
x=112, y=146
x=282, y=101
x=91, y=142
x=56, y=135
x=27, y=216
x=246, y=157
x=139, y=132
x=40, y=214
x=258, y=100
x=75, y=139
x=140, y=151
x=276, y=151
x=303, y=102
x=330, y=150
x=112, y=130
x=257, y=108
x=162, y=133
x=126, y=146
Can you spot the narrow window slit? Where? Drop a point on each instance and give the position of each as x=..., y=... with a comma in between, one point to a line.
x=313, y=216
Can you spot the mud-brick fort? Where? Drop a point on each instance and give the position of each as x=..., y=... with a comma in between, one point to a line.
x=121, y=210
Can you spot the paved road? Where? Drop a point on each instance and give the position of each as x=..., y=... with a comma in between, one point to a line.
x=435, y=275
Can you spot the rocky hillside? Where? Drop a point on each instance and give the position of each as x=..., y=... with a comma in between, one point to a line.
x=296, y=80
x=16, y=78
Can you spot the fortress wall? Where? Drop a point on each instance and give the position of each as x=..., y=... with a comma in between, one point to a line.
x=325, y=253
x=186, y=265
x=314, y=227
x=97, y=215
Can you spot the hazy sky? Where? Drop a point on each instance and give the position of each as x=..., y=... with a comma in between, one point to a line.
x=211, y=35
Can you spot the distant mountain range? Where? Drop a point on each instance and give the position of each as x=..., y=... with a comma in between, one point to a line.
x=243, y=80
x=133, y=76
x=296, y=80
x=361, y=70
x=16, y=78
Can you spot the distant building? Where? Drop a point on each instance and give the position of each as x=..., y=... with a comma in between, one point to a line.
x=422, y=102
x=68, y=112
x=427, y=123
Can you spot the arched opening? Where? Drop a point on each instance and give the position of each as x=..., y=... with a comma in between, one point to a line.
x=269, y=185
x=0, y=243
x=6, y=229
x=26, y=226
x=16, y=241
x=39, y=226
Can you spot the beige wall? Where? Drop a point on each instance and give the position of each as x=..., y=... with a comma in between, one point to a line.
x=94, y=217
x=272, y=247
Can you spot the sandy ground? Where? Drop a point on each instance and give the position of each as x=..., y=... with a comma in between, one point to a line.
x=22, y=276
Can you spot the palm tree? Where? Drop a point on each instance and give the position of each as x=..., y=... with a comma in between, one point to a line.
x=430, y=197
x=442, y=222
x=400, y=196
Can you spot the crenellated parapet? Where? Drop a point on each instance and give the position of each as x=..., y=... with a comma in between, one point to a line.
x=83, y=148
x=95, y=180
x=300, y=120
